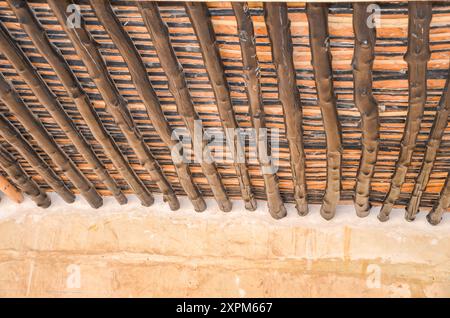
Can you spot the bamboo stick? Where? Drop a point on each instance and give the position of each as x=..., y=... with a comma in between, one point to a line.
x=201, y=22
x=38, y=35
x=10, y=190
x=13, y=137
x=178, y=87
x=48, y=99
x=317, y=14
x=23, y=181
x=363, y=57
x=139, y=76
x=116, y=105
x=37, y=130
x=277, y=22
x=417, y=56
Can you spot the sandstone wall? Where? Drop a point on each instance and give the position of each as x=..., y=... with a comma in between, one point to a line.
x=72, y=251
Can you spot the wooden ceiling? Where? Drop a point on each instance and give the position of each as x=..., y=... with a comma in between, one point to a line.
x=362, y=111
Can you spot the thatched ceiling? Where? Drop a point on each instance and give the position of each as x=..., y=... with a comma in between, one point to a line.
x=139, y=119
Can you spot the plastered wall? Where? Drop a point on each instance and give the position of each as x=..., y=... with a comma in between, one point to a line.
x=131, y=251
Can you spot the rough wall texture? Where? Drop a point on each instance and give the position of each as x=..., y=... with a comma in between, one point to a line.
x=133, y=251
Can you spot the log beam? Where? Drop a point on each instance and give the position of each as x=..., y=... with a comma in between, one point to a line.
x=178, y=87
x=417, y=56
x=37, y=130
x=201, y=22
x=139, y=76
x=48, y=99
x=278, y=29
x=434, y=140
x=10, y=190
x=116, y=105
x=14, y=138
x=317, y=14
x=441, y=206
x=38, y=35
x=10, y=165
x=363, y=57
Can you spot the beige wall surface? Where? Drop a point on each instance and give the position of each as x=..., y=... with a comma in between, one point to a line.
x=131, y=251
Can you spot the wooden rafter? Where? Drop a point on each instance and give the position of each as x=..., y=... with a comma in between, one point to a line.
x=434, y=141
x=86, y=48
x=145, y=90
x=432, y=147
x=10, y=190
x=278, y=29
x=14, y=138
x=443, y=203
x=48, y=99
x=417, y=56
x=179, y=89
x=201, y=22
x=317, y=14
x=198, y=52
x=37, y=130
x=363, y=57
x=39, y=37
x=23, y=181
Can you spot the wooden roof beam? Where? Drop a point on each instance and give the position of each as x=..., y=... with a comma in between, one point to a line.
x=432, y=147
x=179, y=89
x=139, y=76
x=442, y=204
x=9, y=164
x=38, y=35
x=37, y=130
x=362, y=63
x=10, y=190
x=317, y=14
x=201, y=22
x=434, y=140
x=14, y=138
x=48, y=99
x=278, y=29
x=417, y=56
x=116, y=105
